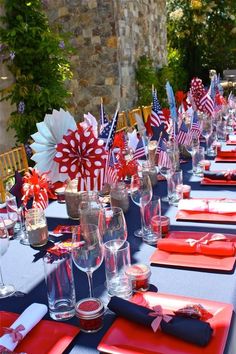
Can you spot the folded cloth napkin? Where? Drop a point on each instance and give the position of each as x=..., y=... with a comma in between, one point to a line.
x=220, y=175
x=24, y=323
x=221, y=207
x=188, y=329
x=215, y=248
x=176, y=245
x=193, y=205
x=232, y=137
x=226, y=153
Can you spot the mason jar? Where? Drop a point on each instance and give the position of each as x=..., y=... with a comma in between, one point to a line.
x=119, y=196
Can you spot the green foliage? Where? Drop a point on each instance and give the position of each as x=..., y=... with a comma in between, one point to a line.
x=147, y=75
x=38, y=59
x=204, y=33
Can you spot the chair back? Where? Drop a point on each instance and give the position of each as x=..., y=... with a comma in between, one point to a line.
x=122, y=121
x=131, y=115
x=10, y=162
x=146, y=112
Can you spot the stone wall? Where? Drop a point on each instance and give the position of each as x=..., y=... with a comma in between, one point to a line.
x=109, y=37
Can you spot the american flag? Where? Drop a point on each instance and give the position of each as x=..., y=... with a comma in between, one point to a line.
x=195, y=126
x=163, y=158
x=140, y=150
x=103, y=118
x=108, y=133
x=183, y=133
x=157, y=116
x=207, y=104
x=110, y=175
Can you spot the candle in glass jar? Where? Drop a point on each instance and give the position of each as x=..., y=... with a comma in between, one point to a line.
x=90, y=313
x=60, y=193
x=205, y=165
x=165, y=224
x=139, y=275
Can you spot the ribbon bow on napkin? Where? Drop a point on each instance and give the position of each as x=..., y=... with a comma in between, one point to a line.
x=14, y=333
x=206, y=239
x=158, y=313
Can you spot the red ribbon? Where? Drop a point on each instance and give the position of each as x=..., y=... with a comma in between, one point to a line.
x=158, y=313
x=14, y=333
x=229, y=174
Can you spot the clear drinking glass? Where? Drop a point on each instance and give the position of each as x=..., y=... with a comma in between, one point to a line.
x=152, y=209
x=87, y=250
x=141, y=194
x=192, y=145
x=5, y=289
x=172, y=184
x=206, y=125
x=112, y=226
x=60, y=286
x=198, y=156
x=167, y=168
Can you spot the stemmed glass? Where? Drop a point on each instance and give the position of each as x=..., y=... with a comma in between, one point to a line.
x=112, y=227
x=141, y=194
x=206, y=126
x=87, y=250
x=192, y=146
x=5, y=289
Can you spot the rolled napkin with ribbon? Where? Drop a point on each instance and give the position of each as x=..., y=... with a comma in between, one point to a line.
x=193, y=205
x=188, y=329
x=226, y=153
x=23, y=325
x=229, y=175
x=209, y=245
x=232, y=137
x=222, y=207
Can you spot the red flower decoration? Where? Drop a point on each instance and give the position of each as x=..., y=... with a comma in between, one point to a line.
x=180, y=96
x=35, y=186
x=125, y=168
x=81, y=154
x=119, y=140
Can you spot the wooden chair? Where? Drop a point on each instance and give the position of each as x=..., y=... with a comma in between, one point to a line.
x=11, y=161
x=122, y=122
x=131, y=115
x=146, y=112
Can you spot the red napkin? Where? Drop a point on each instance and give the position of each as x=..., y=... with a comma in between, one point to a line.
x=176, y=246
x=218, y=248
x=229, y=153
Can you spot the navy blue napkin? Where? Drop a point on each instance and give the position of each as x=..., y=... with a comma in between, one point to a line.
x=220, y=175
x=188, y=329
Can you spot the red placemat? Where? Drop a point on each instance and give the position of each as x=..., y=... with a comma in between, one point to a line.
x=126, y=337
x=196, y=260
x=215, y=182
x=47, y=337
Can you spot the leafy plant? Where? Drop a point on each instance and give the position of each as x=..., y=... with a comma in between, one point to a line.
x=37, y=56
x=204, y=34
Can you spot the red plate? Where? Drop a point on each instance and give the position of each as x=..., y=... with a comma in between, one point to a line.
x=215, y=182
x=193, y=260
x=190, y=215
x=48, y=337
x=125, y=337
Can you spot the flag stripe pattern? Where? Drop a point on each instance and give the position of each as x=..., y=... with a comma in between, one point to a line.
x=140, y=150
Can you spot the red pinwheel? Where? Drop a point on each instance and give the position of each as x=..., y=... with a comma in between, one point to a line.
x=81, y=154
x=119, y=140
x=35, y=186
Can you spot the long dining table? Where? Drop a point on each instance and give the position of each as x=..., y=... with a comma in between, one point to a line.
x=23, y=265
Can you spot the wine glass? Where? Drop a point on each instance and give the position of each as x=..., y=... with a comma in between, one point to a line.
x=5, y=289
x=112, y=226
x=206, y=126
x=192, y=146
x=141, y=194
x=87, y=250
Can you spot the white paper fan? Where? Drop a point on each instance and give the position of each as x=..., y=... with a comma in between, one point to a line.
x=50, y=133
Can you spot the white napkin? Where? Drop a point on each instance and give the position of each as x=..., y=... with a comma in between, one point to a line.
x=232, y=137
x=193, y=204
x=29, y=318
x=221, y=207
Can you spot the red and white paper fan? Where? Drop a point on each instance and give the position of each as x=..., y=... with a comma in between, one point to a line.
x=81, y=155
x=50, y=133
